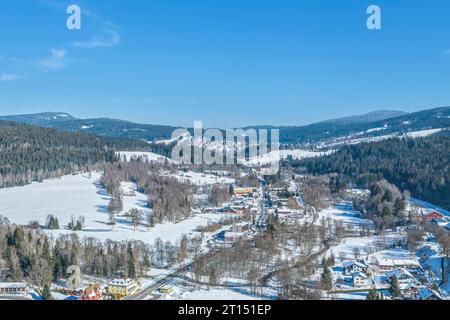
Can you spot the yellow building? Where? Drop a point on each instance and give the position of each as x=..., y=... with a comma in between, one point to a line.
x=243, y=191
x=122, y=287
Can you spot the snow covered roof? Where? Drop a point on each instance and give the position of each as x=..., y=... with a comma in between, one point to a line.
x=399, y=272
x=121, y=282
x=405, y=262
x=385, y=263
x=233, y=234
x=13, y=285
x=359, y=274
x=408, y=285
x=351, y=263
x=397, y=262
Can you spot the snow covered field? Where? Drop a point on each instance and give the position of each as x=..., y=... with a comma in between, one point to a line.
x=70, y=195
x=82, y=194
x=212, y=294
x=351, y=219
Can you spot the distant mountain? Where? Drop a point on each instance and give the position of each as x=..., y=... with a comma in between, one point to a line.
x=368, y=117
x=329, y=130
x=43, y=119
x=372, y=124
x=100, y=126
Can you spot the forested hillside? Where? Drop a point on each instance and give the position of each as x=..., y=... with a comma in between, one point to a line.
x=29, y=153
x=421, y=120
x=99, y=126
x=421, y=166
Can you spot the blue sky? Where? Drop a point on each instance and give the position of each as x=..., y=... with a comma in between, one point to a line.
x=225, y=62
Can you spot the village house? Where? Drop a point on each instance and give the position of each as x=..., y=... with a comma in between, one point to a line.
x=433, y=215
x=122, y=287
x=93, y=292
x=231, y=237
x=13, y=287
x=403, y=276
x=360, y=279
x=409, y=290
x=243, y=191
x=354, y=266
x=385, y=265
x=407, y=264
x=240, y=227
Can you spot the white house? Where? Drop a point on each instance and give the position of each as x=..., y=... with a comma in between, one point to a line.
x=385, y=265
x=13, y=287
x=360, y=280
x=355, y=266
x=406, y=263
x=231, y=237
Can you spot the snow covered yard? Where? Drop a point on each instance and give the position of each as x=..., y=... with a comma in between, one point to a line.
x=232, y=289
x=211, y=294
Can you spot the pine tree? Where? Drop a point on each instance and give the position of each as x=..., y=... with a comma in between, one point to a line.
x=326, y=279
x=46, y=294
x=131, y=262
x=14, y=270
x=46, y=250
x=373, y=295
x=395, y=289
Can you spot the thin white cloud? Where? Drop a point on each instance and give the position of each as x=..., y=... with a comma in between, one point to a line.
x=446, y=53
x=8, y=77
x=57, y=60
x=111, y=39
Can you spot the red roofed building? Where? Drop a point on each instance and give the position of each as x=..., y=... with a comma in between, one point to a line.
x=93, y=292
x=433, y=215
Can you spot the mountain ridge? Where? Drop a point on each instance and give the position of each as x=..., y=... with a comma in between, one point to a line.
x=370, y=124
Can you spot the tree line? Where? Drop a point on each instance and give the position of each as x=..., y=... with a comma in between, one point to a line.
x=170, y=199
x=28, y=254
x=31, y=154
x=421, y=166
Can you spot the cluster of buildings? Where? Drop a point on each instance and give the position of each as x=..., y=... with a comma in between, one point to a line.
x=116, y=289
x=261, y=204
x=244, y=201
x=378, y=273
